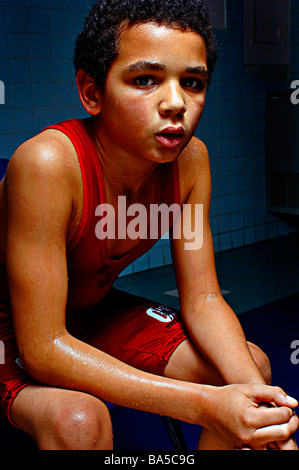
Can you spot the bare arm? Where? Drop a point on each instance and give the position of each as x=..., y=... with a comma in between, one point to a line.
x=40, y=206
x=211, y=323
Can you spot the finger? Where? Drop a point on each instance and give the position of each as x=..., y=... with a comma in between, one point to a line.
x=290, y=444
x=277, y=432
x=271, y=416
x=276, y=395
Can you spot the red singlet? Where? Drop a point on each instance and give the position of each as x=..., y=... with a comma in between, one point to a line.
x=91, y=275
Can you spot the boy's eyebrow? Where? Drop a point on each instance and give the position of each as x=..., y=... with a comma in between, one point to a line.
x=144, y=65
x=198, y=70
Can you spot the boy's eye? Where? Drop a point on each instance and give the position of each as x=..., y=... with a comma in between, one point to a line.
x=193, y=83
x=144, y=81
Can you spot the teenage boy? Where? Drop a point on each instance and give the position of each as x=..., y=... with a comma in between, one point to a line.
x=71, y=340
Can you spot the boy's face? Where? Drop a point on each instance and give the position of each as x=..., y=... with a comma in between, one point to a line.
x=154, y=94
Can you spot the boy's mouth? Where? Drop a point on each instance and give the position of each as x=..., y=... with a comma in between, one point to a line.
x=170, y=137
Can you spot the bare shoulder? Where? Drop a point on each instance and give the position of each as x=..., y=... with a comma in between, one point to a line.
x=194, y=168
x=43, y=182
x=48, y=155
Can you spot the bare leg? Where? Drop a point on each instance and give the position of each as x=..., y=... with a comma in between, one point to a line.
x=188, y=364
x=59, y=419
x=65, y=419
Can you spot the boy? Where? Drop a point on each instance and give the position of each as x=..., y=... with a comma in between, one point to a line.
x=143, y=68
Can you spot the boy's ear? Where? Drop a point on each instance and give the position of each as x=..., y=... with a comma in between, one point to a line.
x=89, y=93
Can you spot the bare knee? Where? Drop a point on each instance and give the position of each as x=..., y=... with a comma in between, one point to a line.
x=80, y=423
x=262, y=361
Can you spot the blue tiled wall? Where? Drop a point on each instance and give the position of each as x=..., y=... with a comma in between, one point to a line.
x=233, y=128
x=36, y=43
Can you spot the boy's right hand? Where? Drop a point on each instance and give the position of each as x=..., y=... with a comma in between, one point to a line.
x=239, y=421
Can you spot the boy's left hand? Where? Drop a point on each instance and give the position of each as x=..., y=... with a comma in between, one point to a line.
x=289, y=444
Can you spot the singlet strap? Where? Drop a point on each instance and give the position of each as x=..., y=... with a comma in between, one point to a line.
x=79, y=133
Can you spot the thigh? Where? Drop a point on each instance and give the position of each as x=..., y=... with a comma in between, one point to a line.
x=187, y=363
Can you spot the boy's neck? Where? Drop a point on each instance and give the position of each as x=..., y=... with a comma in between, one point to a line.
x=124, y=174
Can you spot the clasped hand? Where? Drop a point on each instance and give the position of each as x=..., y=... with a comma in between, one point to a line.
x=245, y=419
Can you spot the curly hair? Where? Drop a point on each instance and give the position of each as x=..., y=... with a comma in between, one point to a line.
x=97, y=45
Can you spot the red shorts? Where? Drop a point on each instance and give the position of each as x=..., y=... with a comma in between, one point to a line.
x=137, y=331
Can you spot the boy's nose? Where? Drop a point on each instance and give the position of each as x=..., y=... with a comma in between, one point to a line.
x=172, y=101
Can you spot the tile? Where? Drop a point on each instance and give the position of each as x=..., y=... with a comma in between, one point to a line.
x=59, y=21
x=19, y=139
x=128, y=270
x=237, y=220
x=42, y=94
x=249, y=235
x=3, y=44
x=20, y=71
x=39, y=45
x=142, y=263
x=43, y=117
x=62, y=94
x=16, y=19
x=60, y=46
x=61, y=70
x=6, y=122
x=4, y=70
x=7, y=144
x=225, y=241
x=18, y=45
x=21, y=95
x=2, y=18
x=16, y=2
x=261, y=232
x=156, y=258
x=23, y=120
x=62, y=4
x=225, y=223
x=38, y=3
x=41, y=70
x=62, y=113
x=237, y=238
x=76, y=21
x=167, y=255
x=79, y=4
x=38, y=20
